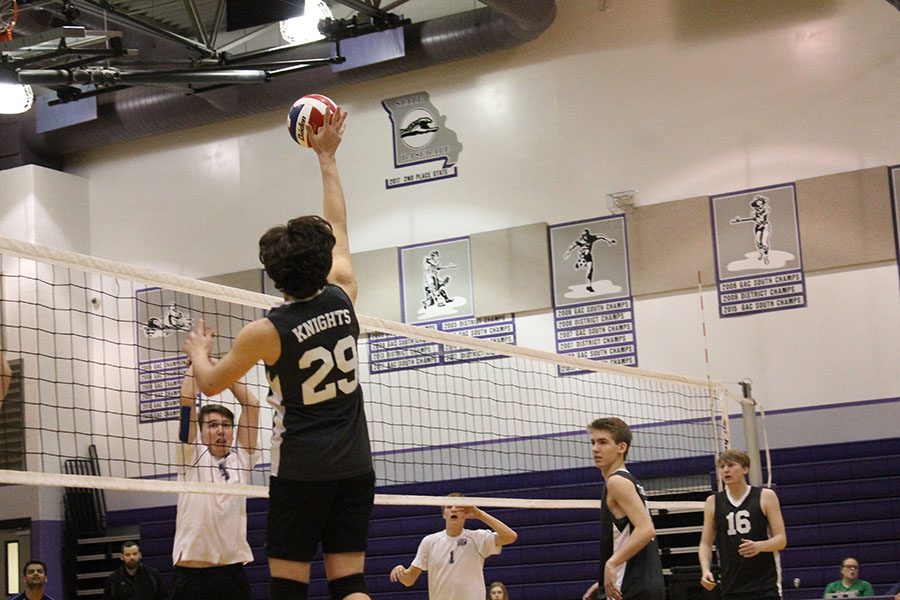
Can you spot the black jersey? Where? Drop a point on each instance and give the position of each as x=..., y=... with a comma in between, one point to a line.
x=319, y=433
x=642, y=576
x=756, y=576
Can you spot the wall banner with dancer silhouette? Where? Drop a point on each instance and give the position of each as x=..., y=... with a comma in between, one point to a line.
x=593, y=310
x=756, y=240
x=895, y=207
x=437, y=292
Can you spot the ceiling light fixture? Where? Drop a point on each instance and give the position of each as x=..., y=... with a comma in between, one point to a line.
x=15, y=98
x=305, y=28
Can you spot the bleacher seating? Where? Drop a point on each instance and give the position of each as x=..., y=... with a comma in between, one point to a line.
x=837, y=499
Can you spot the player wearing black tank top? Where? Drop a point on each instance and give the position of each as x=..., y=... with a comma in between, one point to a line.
x=629, y=555
x=746, y=524
x=322, y=484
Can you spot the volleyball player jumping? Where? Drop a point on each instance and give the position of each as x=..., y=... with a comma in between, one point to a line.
x=323, y=482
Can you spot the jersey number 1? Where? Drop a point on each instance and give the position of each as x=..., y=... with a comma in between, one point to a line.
x=343, y=358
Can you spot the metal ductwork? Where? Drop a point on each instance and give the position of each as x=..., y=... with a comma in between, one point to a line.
x=143, y=111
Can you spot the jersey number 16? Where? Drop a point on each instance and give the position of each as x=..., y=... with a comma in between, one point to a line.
x=738, y=522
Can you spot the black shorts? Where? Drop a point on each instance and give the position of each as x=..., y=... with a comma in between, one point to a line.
x=304, y=513
x=227, y=582
x=763, y=595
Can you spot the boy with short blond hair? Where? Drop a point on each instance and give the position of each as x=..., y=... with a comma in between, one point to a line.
x=746, y=524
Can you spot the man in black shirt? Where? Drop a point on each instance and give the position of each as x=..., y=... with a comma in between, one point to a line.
x=134, y=580
x=323, y=483
x=748, y=530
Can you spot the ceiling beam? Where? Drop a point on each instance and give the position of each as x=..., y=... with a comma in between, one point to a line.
x=102, y=6
x=365, y=8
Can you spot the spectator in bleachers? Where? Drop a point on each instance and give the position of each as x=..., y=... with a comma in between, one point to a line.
x=497, y=591
x=134, y=580
x=850, y=581
x=454, y=557
x=746, y=525
x=35, y=572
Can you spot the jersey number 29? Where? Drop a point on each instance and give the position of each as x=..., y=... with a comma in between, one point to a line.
x=343, y=358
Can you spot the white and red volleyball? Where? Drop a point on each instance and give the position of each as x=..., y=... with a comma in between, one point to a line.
x=308, y=110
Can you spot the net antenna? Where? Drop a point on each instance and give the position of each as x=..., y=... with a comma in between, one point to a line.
x=99, y=342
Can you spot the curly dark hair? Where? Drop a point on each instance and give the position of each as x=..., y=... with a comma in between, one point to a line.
x=297, y=256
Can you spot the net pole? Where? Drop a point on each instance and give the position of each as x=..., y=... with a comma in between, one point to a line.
x=748, y=411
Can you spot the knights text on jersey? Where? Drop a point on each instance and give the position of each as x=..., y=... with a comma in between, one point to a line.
x=319, y=431
x=641, y=578
x=757, y=575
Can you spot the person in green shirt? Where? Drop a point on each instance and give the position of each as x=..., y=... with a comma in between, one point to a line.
x=849, y=581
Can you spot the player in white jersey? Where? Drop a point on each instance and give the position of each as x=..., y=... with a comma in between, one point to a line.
x=454, y=557
x=210, y=547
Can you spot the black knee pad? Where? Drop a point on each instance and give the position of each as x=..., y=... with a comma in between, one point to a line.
x=351, y=584
x=287, y=589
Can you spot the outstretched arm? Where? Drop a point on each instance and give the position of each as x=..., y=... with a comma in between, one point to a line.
x=325, y=142
x=257, y=341
x=248, y=422
x=505, y=534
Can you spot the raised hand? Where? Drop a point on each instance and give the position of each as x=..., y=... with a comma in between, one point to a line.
x=327, y=138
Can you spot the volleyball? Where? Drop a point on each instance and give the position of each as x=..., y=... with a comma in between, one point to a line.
x=308, y=110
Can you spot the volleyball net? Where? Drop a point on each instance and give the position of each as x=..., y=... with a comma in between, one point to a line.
x=94, y=348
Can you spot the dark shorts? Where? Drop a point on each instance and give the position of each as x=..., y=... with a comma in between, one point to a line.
x=227, y=582
x=770, y=595
x=304, y=513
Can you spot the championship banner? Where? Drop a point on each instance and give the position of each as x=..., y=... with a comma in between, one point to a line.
x=756, y=239
x=161, y=364
x=593, y=310
x=388, y=353
x=425, y=149
x=436, y=291
x=163, y=318
x=895, y=208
